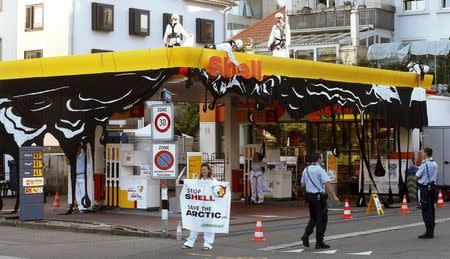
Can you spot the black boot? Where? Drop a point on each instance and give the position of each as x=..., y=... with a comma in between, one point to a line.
x=320, y=244
x=429, y=233
x=305, y=240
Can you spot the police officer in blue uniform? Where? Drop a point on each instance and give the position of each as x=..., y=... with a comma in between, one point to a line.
x=427, y=174
x=316, y=180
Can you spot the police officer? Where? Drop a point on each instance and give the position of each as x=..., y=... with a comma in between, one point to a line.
x=316, y=181
x=427, y=174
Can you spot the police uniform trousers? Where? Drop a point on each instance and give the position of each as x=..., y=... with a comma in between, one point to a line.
x=427, y=198
x=318, y=215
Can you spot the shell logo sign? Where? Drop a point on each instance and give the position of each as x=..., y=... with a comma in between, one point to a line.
x=224, y=66
x=35, y=181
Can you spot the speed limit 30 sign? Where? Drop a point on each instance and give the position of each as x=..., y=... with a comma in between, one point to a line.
x=163, y=124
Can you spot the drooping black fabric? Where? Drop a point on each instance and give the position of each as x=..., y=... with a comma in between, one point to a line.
x=69, y=107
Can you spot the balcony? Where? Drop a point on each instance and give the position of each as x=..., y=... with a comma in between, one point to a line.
x=337, y=19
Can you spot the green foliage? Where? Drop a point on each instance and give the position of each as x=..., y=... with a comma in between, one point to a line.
x=186, y=118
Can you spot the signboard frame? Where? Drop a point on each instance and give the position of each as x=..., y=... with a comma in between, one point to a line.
x=163, y=134
x=173, y=169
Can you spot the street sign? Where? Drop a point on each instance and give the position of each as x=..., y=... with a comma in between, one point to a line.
x=31, y=183
x=164, y=161
x=162, y=120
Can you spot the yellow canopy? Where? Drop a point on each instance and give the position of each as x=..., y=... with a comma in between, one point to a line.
x=138, y=60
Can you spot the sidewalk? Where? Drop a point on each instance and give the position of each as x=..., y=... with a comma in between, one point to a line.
x=148, y=223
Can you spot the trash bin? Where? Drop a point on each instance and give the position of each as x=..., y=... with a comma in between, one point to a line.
x=411, y=183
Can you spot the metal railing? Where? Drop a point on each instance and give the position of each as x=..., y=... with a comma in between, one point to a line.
x=379, y=18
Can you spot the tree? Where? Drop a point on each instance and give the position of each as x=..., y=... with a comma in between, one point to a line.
x=186, y=118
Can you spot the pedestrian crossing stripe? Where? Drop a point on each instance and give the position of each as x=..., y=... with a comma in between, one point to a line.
x=330, y=252
x=294, y=251
x=362, y=253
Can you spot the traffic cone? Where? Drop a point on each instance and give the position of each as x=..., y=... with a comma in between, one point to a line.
x=259, y=235
x=440, y=203
x=404, y=209
x=56, y=202
x=347, y=213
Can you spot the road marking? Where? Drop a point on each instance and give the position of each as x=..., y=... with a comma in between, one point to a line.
x=294, y=251
x=271, y=216
x=196, y=254
x=352, y=234
x=362, y=253
x=329, y=252
x=11, y=257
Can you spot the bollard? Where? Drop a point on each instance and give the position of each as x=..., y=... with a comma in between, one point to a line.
x=164, y=210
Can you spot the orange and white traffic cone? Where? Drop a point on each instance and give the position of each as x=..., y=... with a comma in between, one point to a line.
x=56, y=202
x=404, y=209
x=259, y=235
x=347, y=213
x=440, y=203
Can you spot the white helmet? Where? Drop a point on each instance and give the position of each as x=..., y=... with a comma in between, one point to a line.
x=426, y=69
x=175, y=16
x=279, y=15
x=239, y=44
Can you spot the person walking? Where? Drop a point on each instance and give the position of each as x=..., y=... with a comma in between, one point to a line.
x=208, y=238
x=316, y=180
x=427, y=174
x=256, y=179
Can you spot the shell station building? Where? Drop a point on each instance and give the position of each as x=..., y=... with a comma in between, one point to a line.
x=293, y=106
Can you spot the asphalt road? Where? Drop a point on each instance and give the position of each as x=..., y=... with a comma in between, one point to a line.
x=391, y=235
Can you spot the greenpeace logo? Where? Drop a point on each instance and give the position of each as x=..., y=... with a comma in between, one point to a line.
x=206, y=225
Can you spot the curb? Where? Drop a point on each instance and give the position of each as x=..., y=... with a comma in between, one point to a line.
x=105, y=230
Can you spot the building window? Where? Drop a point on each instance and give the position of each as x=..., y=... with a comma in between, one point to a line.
x=414, y=5
x=445, y=4
x=33, y=54
x=385, y=40
x=139, y=22
x=34, y=17
x=307, y=54
x=326, y=55
x=205, y=31
x=102, y=17
x=167, y=19
x=100, y=50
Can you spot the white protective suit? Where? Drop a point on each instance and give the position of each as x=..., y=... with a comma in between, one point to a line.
x=281, y=36
x=80, y=182
x=208, y=237
x=172, y=34
x=256, y=182
x=226, y=46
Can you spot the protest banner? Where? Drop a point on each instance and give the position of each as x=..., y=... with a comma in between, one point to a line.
x=205, y=205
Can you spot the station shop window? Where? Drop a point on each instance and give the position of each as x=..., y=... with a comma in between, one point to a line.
x=139, y=22
x=102, y=17
x=34, y=17
x=204, y=31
